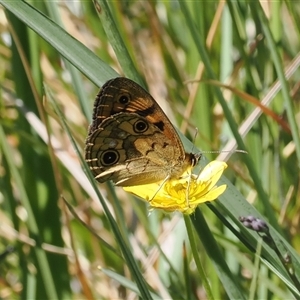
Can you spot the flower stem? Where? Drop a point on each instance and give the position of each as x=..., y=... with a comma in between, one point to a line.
x=195, y=252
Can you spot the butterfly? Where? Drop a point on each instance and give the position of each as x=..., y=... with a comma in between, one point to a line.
x=130, y=140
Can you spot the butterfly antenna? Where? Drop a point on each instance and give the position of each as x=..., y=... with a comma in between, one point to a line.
x=227, y=151
x=194, y=139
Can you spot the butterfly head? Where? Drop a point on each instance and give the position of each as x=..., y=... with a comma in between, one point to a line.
x=195, y=157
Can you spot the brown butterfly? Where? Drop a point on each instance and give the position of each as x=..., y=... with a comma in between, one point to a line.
x=131, y=141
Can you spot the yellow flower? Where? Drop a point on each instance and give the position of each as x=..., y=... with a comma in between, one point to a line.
x=183, y=194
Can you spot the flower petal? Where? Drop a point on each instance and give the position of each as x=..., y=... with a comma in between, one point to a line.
x=145, y=191
x=213, y=194
x=213, y=171
x=185, y=193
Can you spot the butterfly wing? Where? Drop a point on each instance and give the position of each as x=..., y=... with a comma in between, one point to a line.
x=124, y=95
x=117, y=149
x=129, y=150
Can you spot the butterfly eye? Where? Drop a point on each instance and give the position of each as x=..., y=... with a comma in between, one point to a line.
x=140, y=126
x=109, y=157
x=123, y=99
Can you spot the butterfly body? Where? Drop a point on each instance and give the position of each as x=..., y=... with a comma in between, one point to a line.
x=131, y=141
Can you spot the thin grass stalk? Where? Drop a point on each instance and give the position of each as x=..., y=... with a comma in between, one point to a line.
x=116, y=40
x=120, y=219
x=186, y=272
x=294, y=16
x=240, y=35
x=280, y=72
x=195, y=252
x=254, y=281
x=77, y=83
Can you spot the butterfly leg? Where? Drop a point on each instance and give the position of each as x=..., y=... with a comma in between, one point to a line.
x=159, y=188
x=187, y=192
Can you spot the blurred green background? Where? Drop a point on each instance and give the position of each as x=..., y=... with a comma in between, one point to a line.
x=210, y=65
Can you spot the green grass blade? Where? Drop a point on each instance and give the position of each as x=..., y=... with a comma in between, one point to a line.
x=32, y=224
x=80, y=56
